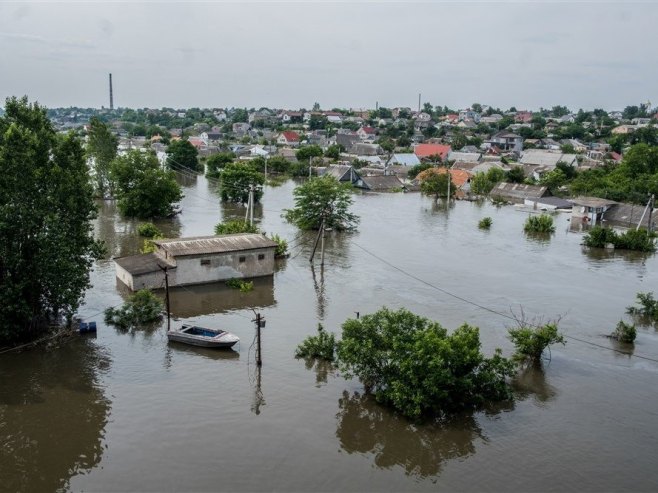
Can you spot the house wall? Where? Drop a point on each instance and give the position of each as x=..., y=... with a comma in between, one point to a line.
x=150, y=280
x=198, y=269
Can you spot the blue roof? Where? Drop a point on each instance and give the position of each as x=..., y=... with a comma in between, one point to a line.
x=406, y=159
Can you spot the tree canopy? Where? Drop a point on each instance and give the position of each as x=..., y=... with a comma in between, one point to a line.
x=322, y=197
x=216, y=163
x=102, y=149
x=46, y=237
x=414, y=365
x=144, y=189
x=182, y=154
x=236, y=179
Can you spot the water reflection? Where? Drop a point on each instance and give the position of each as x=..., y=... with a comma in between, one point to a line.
x=186, y=179
x=322, y=369
x=365, y=427
x=319, y=290
x=52, y=415
x=599, y=255
x=539, y=238
x=184, y=350
x=531, y=381
x=207, y=299
x=258, y=400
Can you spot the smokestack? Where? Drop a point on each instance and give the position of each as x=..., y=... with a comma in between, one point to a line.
x=418, y=102
x=111, y=97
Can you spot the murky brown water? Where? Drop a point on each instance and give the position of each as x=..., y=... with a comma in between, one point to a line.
x=128, y=412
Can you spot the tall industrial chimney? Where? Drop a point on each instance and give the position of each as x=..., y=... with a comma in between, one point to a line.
x=111, y=97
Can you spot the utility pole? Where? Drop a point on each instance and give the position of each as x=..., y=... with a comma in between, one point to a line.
x=166, y=274
x=246, y=213
x=317, y=238
x=651, y=209
x=260, y=322
x=251, y=202
x=322, y=246
x=448, y=173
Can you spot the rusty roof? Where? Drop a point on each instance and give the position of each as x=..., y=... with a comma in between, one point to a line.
x=200, y=245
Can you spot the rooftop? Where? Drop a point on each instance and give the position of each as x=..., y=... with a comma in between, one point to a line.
x=200, y=245
x=143, y=264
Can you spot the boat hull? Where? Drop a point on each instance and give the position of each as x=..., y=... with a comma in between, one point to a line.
x=203, y=337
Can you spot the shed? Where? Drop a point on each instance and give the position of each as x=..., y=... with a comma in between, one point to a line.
x=590, y=210
x=382, y=183
x=199, y=260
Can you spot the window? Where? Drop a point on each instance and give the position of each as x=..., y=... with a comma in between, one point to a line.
x=261, y=256
x=243, y=259
x=205, y=261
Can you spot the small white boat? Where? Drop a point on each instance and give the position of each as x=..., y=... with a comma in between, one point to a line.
x=203, y=336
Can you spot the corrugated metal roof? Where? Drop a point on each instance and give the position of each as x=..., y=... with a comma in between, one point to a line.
x=200, y=245
x=382, y=183
x=406, y=159
x=592, y=202
x=518, y=190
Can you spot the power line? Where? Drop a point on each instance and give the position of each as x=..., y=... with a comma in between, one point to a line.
x=491, y=310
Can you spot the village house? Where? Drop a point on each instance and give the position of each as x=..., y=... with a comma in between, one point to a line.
x=469, y=115
x=344, y=173
x=198, y=260
x=289, y=138
x=291, y=117
x=405, y=159
x=518, y=192
x=506, y=141
x=428, y=151
x=523, y=117
x=241, y=128
x=366, y=133
x=589, y=210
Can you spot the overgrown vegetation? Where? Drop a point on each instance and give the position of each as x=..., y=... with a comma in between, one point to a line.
x=485, y=223
x=281, y=249
x=414, y=365
x=648, y=306
x=149, y=230
x=321, y=346
x=531, y=341
x=640, y=240
x=243, y=286
x=542, y=223
x=142, y=308
x=236, y=180
x=624, y=332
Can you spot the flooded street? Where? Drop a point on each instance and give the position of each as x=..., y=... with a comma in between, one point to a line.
x=126, y=411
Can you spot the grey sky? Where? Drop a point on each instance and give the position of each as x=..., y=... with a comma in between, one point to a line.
x=346, y=54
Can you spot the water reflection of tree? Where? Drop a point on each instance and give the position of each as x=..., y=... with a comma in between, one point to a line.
x=319, y=291
x=604, y=254
x=365, y=427
x=322, y=369
x=53, y=415
x=530, y=380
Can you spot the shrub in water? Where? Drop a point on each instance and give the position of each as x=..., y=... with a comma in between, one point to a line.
x=530, y=342
x=244, y=286
x=142, y=308
x=149, y=230
x=321, y=346
x=485, y=223
x=281, y=246
x=639, y=240
x=598, y=237
x=648, y=306
x=624, y=332
x=539, y=224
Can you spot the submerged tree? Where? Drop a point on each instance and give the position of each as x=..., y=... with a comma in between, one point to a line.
x=414, y=365
x=144, y=189
x=322, y=198
x=181, y=155
x=237, y=179
x=46, y=237
x=102, y=149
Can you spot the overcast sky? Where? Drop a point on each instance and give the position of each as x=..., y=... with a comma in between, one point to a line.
x=340, y=54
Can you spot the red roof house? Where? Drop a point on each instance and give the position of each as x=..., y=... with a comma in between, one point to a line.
x=427, y=150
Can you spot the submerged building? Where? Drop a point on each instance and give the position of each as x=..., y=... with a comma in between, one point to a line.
x=198, y=260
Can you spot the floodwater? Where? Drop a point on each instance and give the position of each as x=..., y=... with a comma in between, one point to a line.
x=126, y=411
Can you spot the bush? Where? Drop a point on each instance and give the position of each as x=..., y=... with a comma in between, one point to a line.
x=321, y=346
x=234, y=227
x=149, y=230
x=143, y=308
x=640, y=240
x=539, y=224
x=485, y=223
x=244, y=286
x=281, y=246
x=648, y=306
x=624, y=332
x=530, y=342
x=413, y=364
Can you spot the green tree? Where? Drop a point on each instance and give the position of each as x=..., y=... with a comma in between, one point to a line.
x=554, y=179
x=333, y=151
x=237, y=179
x=46, y=237
x=235, y=226
x=216, y=163
x=558, y=111
x=319, y=198
x=278, y=164
x=181, y=154
x=516, y=175
x=436, y=184
x=480, y=184
x=412, y=364
x=144, y=189
x=531, y=341
x=307, y=153
x=102, y=149
x=317, y=122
